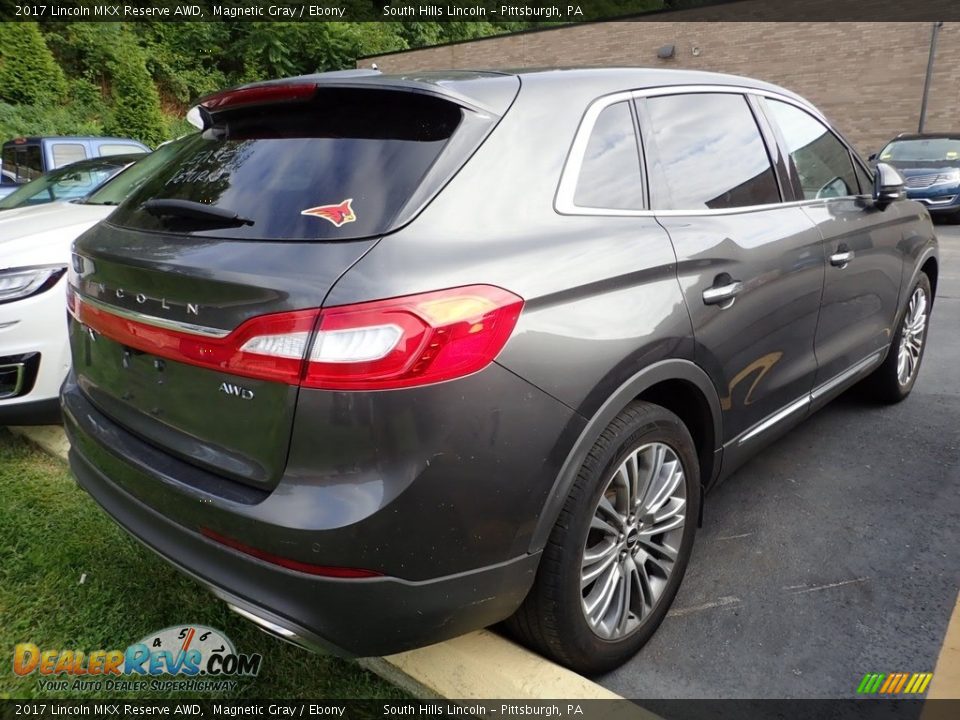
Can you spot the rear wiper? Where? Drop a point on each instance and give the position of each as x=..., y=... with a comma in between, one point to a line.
x=194, y=211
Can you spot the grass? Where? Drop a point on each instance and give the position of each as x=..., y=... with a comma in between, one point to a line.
x=51, y=533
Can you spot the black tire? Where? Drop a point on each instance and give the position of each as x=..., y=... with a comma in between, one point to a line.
x=552, y=619
x=884, y=384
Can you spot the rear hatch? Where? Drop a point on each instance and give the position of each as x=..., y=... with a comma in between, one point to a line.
x=258, y=215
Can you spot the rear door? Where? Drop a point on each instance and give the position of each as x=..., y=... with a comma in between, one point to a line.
x=751, y=268
x=195, y=304
x=861, y=242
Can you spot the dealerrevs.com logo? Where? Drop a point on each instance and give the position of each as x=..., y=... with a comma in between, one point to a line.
x=201, y=658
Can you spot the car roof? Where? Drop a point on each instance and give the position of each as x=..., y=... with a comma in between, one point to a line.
x=494, y=90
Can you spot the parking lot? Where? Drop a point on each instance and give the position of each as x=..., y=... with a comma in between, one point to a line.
x=832, y=554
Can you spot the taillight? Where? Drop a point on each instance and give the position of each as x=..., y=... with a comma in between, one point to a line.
x=412, y=340
x=280, y=363
x=385, y=344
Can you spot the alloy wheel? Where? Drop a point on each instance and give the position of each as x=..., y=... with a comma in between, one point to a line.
x=633, y=542
x=912, y=336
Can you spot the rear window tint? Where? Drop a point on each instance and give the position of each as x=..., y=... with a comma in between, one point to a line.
x=341, y=166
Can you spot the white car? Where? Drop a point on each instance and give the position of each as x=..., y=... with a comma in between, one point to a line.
x=35, y=244
x=34, y=356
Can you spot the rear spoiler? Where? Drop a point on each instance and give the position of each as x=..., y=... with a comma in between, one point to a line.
x=303, y=88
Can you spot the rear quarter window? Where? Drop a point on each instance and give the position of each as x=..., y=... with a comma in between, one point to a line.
x=610, y=175
x=341, y=166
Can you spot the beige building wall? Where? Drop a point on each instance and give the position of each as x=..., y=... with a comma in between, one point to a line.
x=867, y=77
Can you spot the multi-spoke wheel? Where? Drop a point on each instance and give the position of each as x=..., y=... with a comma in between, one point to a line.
x=618, y=551
x=912, y=334
x=633, y=541
x=895, y=378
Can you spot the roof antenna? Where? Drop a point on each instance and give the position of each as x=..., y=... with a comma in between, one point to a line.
x=373, y=66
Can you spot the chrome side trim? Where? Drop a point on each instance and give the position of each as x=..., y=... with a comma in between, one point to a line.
x=165, y=323
x=764, y=425
x=852, y=371
x=564, y=203
x=817, y=393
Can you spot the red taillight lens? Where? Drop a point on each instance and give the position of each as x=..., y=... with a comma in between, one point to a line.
x=413, y=340
x=226, y=353
x=396, y=343
x=309, y=568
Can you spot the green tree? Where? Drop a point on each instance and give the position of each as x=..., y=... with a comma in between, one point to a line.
x=29, y=74
x=136, y=109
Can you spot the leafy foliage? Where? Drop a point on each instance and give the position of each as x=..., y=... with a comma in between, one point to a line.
x=28, y=72
x=138, y=79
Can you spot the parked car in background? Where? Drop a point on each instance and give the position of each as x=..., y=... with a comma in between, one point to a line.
x=930, y=165
x=384, y=359
x=34, y=253
x=68, y=183
x=27, y=158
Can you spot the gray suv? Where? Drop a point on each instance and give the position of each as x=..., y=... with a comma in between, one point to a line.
x=381, y=360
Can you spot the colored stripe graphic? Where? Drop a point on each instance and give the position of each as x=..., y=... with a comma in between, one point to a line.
x=894, y=683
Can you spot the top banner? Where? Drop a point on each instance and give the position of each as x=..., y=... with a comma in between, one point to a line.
x=539, y=13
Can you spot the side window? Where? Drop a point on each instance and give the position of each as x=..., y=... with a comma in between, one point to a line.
x=107, y=149
x=822, y=164
x=66, y=153
x=610, y=175
x=711, y=152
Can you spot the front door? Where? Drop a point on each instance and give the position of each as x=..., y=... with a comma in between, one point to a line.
x=862, y=244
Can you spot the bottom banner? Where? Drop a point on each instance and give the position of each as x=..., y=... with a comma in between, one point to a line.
x=573, y=709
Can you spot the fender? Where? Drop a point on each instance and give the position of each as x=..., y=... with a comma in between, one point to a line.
x=673, y=369
x=930, y=250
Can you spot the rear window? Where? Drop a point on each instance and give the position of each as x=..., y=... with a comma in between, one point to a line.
x=23, y=161
x=341, y=166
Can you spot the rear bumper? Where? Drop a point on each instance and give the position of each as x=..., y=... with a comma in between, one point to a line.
x=348, y=617
x=375, y=616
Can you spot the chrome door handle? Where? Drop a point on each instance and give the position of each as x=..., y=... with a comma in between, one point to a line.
x=722, y=294
x=840, y=259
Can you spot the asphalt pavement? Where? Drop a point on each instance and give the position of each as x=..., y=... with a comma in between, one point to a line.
x=833, y=553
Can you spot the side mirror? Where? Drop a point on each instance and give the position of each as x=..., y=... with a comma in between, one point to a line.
x=888, y=185
x=873, y=156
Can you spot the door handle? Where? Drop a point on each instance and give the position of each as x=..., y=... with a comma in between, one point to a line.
x=841, y=258
x=722, y=295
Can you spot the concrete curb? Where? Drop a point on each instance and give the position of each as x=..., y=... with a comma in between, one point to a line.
x=478, y=666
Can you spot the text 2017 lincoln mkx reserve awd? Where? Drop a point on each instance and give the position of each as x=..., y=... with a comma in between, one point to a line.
x=384, y=359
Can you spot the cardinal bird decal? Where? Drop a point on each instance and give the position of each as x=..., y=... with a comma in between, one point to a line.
x=339, y=214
